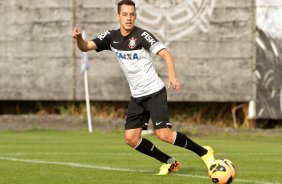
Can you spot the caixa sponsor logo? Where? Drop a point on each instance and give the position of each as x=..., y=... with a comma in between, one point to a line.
x=128, y=56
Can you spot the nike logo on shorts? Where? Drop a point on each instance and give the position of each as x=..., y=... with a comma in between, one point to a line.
x=158, y=123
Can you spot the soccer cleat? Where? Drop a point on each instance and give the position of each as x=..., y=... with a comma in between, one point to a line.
x=174, y=166
x=208, y=158
x=165, y=169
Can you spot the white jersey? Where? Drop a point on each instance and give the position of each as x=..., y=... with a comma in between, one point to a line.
x=134, y=55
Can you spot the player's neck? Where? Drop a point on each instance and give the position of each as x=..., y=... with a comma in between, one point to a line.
x=125, y=32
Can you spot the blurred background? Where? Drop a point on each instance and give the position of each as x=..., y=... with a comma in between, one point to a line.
x=227, y=56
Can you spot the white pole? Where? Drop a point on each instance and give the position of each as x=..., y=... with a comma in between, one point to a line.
x=87, y=102
x=84, y=67
x=252, y=110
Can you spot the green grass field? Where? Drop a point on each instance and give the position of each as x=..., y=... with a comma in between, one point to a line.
x=102, y=158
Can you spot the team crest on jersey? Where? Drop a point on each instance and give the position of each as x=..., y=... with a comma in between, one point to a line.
x=132, y=43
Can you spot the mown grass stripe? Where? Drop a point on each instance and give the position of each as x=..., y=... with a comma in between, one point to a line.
x=108, y=168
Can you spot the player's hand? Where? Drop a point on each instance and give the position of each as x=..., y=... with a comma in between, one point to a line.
x=76, y=33
x=174, y=83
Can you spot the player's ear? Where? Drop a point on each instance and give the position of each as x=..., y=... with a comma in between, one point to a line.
x=117, y=16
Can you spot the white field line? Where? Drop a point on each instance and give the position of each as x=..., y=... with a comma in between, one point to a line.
x=71, y=164
x=126, y=154
x=108, y=168
x=62, y=153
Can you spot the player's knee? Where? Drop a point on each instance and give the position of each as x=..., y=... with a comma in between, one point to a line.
x=165, y=137
x=132, y=142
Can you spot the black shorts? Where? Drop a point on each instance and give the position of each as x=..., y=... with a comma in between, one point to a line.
x=153, y=106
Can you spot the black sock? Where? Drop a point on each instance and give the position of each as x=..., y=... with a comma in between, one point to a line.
x=183, y=141
x=146, y=147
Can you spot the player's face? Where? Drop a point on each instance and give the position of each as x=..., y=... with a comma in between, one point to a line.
x=126, y=17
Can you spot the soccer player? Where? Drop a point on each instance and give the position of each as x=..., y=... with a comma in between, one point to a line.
x=133, y=47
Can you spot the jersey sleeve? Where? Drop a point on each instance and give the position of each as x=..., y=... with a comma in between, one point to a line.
x=150, y=42
x=103, y=41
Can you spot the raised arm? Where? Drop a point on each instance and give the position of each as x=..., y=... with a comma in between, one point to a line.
x=166, y=56
x=82, y=44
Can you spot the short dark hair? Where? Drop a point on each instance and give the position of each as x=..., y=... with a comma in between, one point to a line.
x=126, y=2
